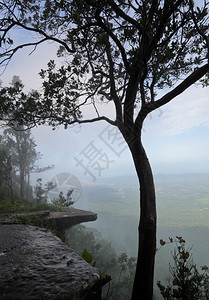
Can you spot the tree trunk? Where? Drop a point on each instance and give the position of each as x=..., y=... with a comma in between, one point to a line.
x=22, y=181
x=143, y=282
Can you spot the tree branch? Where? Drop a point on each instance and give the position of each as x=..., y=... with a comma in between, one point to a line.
x=112, y=84
x=166, y=15
x=12, y=51
x=101, y=118
x=114, y=38
x=191, y=79
x=7, y=55
x=204, y=36
x=125, y=16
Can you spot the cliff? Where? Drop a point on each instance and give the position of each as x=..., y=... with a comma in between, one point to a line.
x=58, y=221
x=35, y=264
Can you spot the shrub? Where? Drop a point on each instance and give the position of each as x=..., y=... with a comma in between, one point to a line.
x=186, y=281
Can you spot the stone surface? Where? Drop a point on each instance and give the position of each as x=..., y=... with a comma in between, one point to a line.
x=35, y=264
x=64, y=219
x=71, y=217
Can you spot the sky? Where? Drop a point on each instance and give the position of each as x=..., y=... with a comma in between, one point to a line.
x=175, y=136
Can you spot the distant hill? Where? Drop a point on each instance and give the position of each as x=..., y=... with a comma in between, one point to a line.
x=182, y=200
x=182, y=206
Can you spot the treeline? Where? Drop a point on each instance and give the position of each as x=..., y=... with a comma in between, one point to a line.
x=18, y=156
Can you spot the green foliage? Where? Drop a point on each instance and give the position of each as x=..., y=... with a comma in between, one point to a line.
x=186, y=282
x=18, y=156
x=41, y=195
x=34, y=220
x=99, y=252
x=110, y=49
x=19, y=206
x=39, y=220
x=64, y=201
x=41, y=192
x=87, y=256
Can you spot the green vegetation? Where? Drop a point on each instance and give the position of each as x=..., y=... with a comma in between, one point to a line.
x=186, y=281
x=18, y=156
x=64, y=201
x=39, y=220
x=19, y=206
x=99, y=252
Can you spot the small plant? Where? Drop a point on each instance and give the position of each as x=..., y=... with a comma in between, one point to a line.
x=41, y=192
x=87, y=257
x=39, y=220
x=186, y=282
x=63, y=201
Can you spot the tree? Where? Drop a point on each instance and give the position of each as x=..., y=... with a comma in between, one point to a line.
x=23, y=153
x=19, y=142
x=99, y=252
x=116, y=50
x=186, y=282
x=41, y=192
x=6, y=173
x=64, y=200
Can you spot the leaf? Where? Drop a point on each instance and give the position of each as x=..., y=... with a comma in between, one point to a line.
x=204, y=268
x=181, y=240
x=87, y=256
x=185, y=255
x=162, y=242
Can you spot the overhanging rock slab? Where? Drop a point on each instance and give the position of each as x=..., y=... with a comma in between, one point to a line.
x=35, y=264
x=70, y=217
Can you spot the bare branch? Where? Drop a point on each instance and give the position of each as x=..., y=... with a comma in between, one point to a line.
x=10, y=53
x=191, y=79
x=48, y=37
x=102, y=118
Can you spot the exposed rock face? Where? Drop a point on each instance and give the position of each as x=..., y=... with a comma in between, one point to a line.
x=35, y=264
x=58, y=220
x=71, y=217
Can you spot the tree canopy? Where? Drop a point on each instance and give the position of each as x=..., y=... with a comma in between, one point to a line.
x=120, y=51
x=138, y=55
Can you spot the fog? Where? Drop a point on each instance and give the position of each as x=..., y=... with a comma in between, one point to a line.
x=176, y=140
x=183, y=210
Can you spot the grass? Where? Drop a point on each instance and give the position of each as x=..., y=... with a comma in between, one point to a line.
x=6, y=207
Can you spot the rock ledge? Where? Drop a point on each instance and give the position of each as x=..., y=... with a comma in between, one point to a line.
x=35, y=264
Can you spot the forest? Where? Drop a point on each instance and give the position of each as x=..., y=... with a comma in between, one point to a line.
x=18, y=161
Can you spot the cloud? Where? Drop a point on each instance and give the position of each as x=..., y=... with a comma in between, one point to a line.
x=28, y=62
x=187, y=111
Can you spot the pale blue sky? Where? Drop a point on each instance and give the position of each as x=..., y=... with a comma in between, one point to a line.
x=176, y=136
